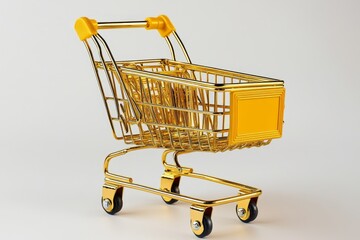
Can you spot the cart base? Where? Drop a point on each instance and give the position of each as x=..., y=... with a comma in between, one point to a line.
x=200, y=210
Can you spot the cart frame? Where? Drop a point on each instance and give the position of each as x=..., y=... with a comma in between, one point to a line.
x=112, y=190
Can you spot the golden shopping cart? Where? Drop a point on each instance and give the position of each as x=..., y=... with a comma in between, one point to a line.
x=181, y=107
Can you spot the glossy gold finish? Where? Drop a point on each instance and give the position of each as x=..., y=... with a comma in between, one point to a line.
x=181, y=107
x=167, y=180
x=171, y=172
x=127, y=24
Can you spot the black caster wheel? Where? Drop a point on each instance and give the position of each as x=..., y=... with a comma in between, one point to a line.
x=174, y=189
x=250, y=214
x=207, y=227
x=117, y=203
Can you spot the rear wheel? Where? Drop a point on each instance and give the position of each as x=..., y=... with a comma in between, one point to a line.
x=174, y=189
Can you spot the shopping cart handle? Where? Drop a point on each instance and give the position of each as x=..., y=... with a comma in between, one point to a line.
x=86, y=27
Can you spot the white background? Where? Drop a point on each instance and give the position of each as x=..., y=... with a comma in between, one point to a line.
x=55, y=135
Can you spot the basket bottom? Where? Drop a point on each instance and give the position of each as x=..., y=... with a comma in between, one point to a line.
x=184, y=140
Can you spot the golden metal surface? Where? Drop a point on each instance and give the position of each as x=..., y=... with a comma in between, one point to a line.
x=167, y=180
x=171, y=48
x=182, y=46
x=181, y=107
x=170, y=104
x=127, y=24
x=244, y=192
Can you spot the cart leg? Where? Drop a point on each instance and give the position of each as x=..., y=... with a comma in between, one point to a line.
x=200, y=220
x=170, y=179
x=112, y=190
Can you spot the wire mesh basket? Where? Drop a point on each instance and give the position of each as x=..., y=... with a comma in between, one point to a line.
x=183, y=106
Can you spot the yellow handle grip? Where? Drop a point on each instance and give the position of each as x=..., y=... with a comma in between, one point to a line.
x=162, y=23
x=86, y=27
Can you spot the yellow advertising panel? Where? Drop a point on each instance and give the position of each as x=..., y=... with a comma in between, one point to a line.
x=256, y=114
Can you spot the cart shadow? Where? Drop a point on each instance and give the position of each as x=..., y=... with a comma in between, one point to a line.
x=276, y=211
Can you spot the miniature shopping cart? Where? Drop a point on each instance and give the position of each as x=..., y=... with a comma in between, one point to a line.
x=181, y=107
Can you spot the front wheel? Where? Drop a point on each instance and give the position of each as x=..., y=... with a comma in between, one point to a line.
x=249, y=214
x=116, y=204
x=207, y=227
